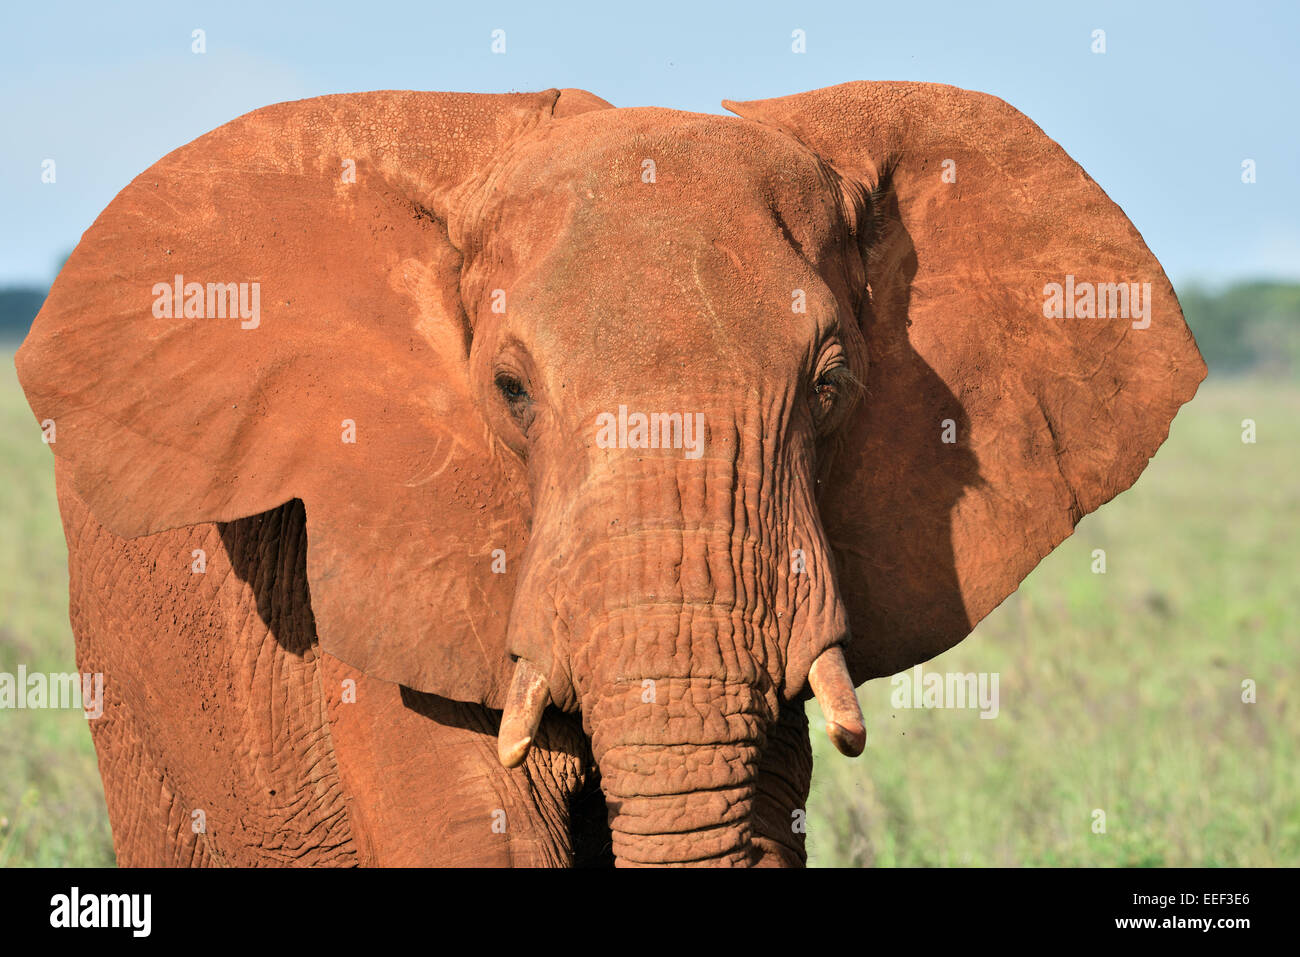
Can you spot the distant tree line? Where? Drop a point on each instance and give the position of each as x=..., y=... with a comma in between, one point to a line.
x=1249, y=327
x=18, y=307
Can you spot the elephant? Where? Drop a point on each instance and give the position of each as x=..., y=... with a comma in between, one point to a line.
x=493, y=479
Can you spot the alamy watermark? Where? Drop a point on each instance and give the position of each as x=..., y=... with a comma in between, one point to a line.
x=55, y=691
x=130, y=911
x=953, y=689
x=215, y=300
x=1101, y=300
x=653, y=430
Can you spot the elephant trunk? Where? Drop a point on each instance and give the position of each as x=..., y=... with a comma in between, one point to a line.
x=675, y=627
x=677, y=677
x=663, y=829
x=679, y=761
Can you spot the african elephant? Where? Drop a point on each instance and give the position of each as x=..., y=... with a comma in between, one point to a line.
x=456, y=478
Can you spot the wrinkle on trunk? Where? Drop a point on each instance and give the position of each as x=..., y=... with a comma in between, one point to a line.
x=690, y=586
x=679, y=760
x=692, y=828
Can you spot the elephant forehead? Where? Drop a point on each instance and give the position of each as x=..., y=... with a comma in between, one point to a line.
x=644, y=180
x=670, y=231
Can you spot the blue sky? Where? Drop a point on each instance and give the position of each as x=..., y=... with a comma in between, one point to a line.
x=1162, y=120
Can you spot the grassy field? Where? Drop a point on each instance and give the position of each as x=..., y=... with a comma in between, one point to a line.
x=52, y=809
x=1119, y=692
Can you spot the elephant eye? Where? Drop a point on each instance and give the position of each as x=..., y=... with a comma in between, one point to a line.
x=826, y=388
x=518, y=402
x=828, y=394
x=511, y=388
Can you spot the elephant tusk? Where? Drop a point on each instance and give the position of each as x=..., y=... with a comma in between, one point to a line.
x=525, y=702
x=829, y=678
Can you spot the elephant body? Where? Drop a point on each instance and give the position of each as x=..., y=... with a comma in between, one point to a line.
x=243, y=744
x=379, y=528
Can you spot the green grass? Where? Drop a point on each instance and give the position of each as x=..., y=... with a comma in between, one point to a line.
x=52, y=810
x=1119, y=692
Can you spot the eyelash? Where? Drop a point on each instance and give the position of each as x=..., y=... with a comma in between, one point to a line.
x=829, y=379
x=827, y=391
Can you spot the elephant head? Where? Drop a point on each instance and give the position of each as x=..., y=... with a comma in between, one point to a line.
x=669, y=419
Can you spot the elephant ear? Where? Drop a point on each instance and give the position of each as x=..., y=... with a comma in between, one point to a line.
x=989, y=427
x=272, y=312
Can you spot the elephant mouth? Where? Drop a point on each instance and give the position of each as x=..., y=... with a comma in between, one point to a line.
x=702, y=816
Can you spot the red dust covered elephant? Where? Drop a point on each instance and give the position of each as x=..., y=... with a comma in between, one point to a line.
x=490, y=479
